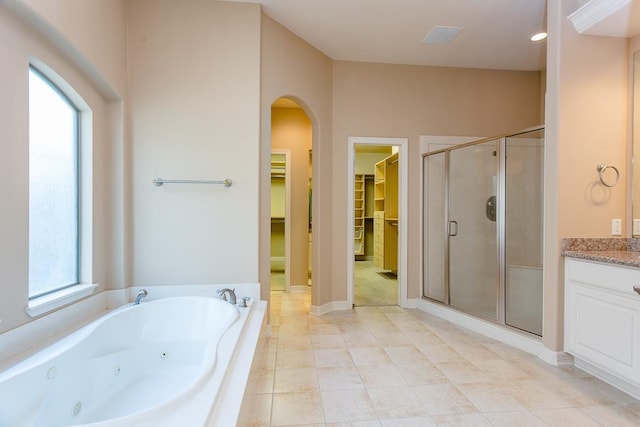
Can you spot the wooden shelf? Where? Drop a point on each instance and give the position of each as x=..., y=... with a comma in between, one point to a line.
x=359, y=207
x=385, y=223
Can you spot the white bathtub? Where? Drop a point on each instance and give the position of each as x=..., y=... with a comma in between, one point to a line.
x=162, y=362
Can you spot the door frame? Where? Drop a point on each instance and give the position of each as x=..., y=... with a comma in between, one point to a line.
x=287, y=214
x=403, y=179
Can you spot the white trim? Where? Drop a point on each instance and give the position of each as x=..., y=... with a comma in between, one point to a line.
x=594, y=12
x=298, y=289
x=329, y=307
x=503, y=334
x=556, y=358
x=287, y=214
x=403, y=177
x=53, y=301
x=608, y=377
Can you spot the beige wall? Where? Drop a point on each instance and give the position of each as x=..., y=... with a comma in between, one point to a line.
x=633, y=179
x=194, y=76
x=586, y=124
x=365, y=163
x=91, y=33
x=408, y=101
x=291, y=129
x=184, y=123
x=293, y=68
x=23, y=38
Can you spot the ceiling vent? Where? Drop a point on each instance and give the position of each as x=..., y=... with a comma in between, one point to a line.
x=441, y=34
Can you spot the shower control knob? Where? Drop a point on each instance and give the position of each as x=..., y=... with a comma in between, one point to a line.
x=636, y=288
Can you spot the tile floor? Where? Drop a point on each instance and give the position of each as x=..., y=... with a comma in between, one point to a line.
x=373, y=286
x=387, y=366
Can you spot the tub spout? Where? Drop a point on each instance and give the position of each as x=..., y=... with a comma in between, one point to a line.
x=141, y=294
x=226, y=291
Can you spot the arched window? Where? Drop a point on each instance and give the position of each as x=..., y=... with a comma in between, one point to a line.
x=53, y=187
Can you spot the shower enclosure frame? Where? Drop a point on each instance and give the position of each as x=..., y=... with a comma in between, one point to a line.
x=501, y=226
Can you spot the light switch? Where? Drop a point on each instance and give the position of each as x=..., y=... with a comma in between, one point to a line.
x=616, y=227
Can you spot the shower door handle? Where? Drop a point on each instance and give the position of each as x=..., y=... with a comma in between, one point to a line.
x=453, y=228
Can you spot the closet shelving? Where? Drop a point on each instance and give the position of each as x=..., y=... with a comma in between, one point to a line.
x=385, y=234
x=359, y=206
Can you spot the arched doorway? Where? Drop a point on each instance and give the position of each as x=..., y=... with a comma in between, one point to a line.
x=291, y=192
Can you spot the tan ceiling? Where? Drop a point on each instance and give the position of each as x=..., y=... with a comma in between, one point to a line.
x=495, y=35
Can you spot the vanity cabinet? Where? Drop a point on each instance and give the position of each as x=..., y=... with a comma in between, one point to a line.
x=602, y=321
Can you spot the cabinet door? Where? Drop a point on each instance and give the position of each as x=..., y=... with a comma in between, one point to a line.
x=602, y=325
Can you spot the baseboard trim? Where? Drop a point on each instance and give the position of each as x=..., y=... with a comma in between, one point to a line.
x=515, y=339
x=409, y=303
x=556, y=358
x=328, y=307
x=298, y=289
x=609, y=378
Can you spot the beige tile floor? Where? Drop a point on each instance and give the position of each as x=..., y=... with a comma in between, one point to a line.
x=373, y=286
x=387, y=366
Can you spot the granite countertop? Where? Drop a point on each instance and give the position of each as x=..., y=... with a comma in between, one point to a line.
x=619, y=251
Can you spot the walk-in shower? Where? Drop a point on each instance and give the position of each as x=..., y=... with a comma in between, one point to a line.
x=483, y=228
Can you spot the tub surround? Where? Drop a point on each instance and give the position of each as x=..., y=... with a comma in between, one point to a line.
x=196, y=338
x=621, y=251
x=227, y=384
x=26, y=340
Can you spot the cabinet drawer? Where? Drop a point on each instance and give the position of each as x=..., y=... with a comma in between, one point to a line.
x=605, y=276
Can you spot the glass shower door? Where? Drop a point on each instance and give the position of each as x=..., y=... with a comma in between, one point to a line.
x=524, y=230
x=435, y=223
x=472, y=229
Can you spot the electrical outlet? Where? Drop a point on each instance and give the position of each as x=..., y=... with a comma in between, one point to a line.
x=616, y=227
x=636, y=227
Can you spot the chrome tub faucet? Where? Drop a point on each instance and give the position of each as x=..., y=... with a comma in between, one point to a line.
x=230, y=292
x=141, y=294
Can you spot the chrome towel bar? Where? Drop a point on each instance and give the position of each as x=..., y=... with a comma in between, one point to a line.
x=159, y=182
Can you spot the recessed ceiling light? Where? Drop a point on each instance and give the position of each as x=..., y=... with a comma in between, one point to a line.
x=539, y=36
x=441, y=34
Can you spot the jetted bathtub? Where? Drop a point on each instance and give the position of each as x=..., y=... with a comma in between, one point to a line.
x=158, y=363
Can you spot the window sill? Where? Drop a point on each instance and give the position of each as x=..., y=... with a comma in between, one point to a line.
x=53, y=301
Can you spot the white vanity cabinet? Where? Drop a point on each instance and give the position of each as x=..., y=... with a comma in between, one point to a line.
x=602, y=321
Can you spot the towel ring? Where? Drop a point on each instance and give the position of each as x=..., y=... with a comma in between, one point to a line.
x=601, y=168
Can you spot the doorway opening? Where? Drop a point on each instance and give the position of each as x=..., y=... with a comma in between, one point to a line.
x=291, y=142
x=280, y=210
x=377, y=219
